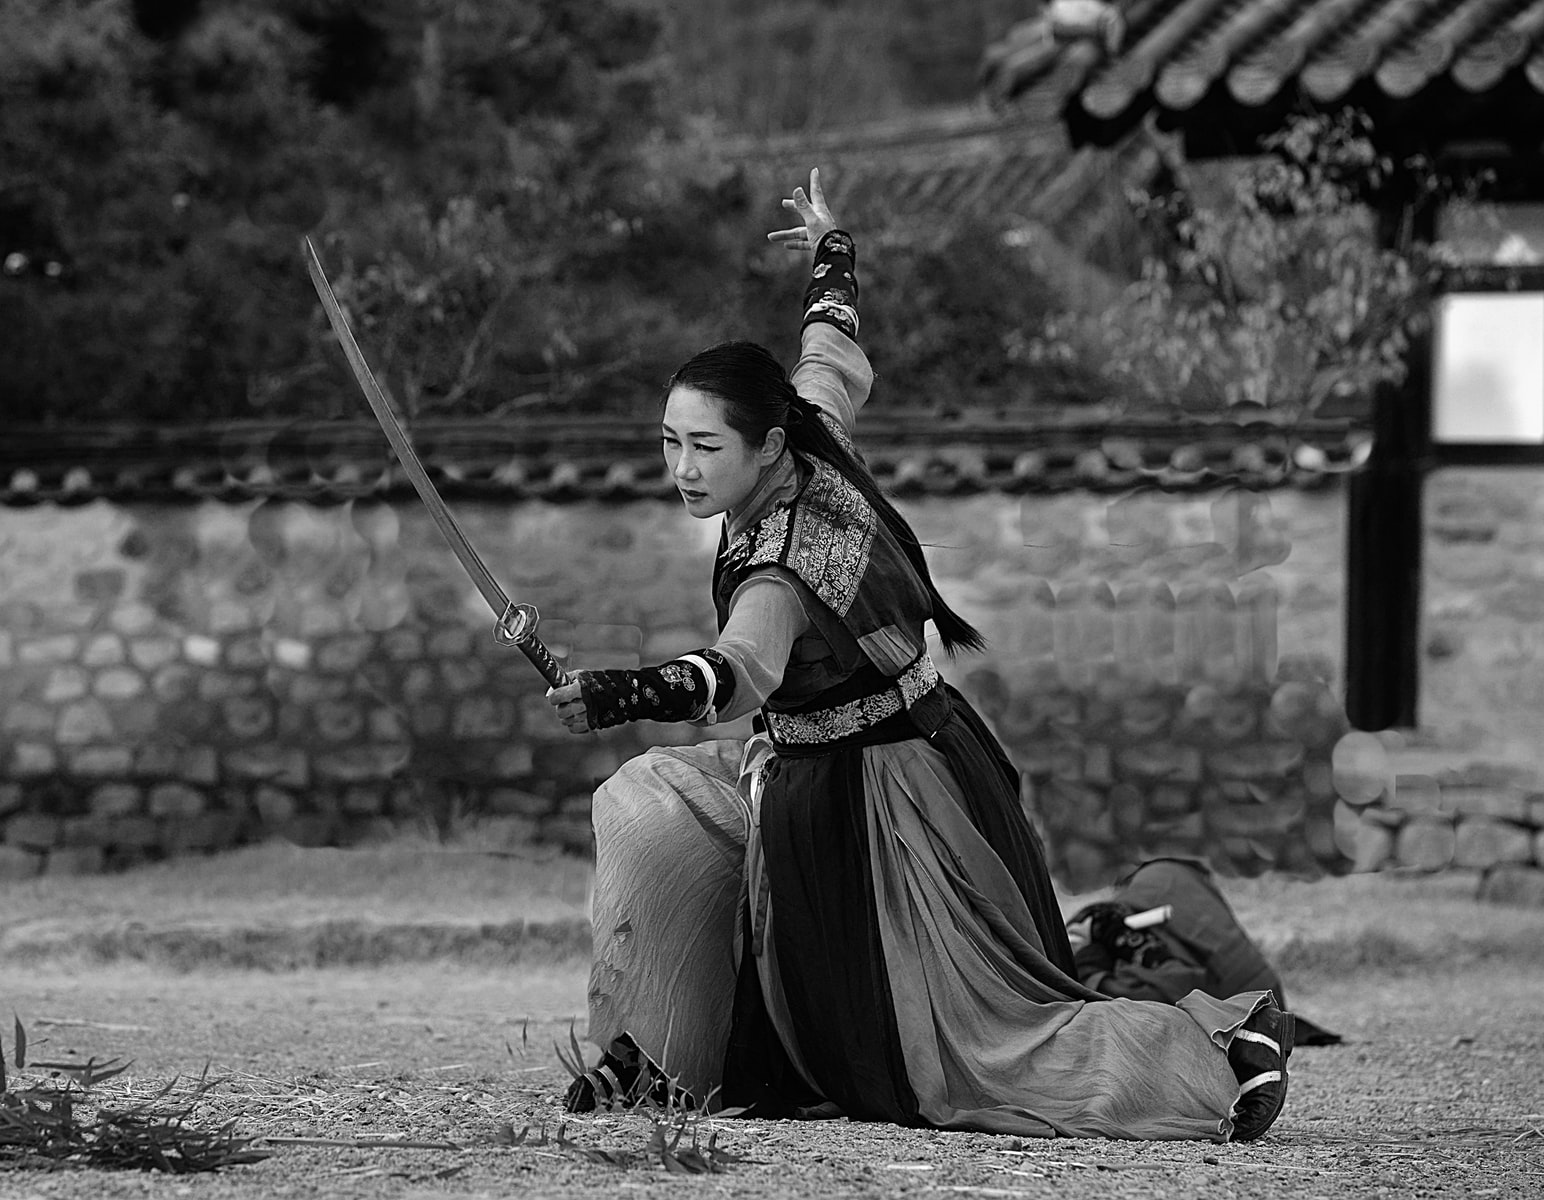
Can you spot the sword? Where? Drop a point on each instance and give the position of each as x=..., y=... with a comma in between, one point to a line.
x=516, y=624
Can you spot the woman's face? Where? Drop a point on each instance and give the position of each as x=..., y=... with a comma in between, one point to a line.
x=714, y=468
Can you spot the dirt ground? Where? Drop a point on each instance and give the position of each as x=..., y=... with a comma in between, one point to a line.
x=1437, y=1092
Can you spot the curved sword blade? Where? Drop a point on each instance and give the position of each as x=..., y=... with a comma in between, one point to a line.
x=523, y=634
x=406, y=455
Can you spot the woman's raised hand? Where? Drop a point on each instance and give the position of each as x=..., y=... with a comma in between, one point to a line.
x=812, y=209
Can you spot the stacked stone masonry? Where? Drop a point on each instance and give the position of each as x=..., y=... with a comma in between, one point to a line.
x=1482, y=818
x=183, y=678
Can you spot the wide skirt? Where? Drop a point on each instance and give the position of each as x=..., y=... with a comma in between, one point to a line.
x=874, y=929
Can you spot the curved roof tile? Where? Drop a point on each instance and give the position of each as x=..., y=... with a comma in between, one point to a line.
x=1177, y=53
x=1133, y=71
x=1482, y=64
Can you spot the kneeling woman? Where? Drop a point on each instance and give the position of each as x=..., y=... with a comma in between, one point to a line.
x=851, y=912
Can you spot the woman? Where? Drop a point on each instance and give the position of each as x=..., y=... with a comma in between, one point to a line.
x=851, y=914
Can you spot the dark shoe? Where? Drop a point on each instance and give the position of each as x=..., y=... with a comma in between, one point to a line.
x=623, y=1078
x=580, y=1097
x=1258, y=1055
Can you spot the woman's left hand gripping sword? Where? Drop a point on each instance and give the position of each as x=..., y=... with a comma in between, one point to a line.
x=516, y=624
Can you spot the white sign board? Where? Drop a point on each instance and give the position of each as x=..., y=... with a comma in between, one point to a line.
x=1488, y=373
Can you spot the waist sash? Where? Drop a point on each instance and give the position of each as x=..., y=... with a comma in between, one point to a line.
x=882, y=716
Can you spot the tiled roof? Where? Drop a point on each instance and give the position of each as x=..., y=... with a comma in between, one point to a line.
x=942, y=164
x=1178, y=55
x=928, y=165
x=571, y=460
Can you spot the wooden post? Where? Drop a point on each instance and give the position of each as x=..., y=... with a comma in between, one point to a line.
x=1383, y=556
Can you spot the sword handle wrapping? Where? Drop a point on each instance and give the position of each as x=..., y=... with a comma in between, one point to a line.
x=517, y=627
x=533, y=649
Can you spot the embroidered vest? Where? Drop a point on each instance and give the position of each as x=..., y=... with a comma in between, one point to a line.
x=865, y=675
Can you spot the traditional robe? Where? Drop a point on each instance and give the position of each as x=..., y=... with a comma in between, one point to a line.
x=853, y=910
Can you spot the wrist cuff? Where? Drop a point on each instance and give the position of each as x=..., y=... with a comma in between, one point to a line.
x=719, y=675
x=706, y=712
x=692, y=687
x=832, y=294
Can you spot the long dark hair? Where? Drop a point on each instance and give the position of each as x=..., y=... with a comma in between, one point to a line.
x=758, y=397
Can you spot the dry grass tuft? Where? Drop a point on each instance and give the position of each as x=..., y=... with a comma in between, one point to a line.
x=664, y=1146
x=672, y=1112
x=48, y=1122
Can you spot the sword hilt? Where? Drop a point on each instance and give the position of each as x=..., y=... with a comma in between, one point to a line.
x=517, y=627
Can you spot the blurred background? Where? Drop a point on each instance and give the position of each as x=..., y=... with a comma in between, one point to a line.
x=528, y=207
x=1184, y=321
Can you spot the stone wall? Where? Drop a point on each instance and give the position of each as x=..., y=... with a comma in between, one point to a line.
x=182, y=678
x=1482, y=640
x=1487, y=817
x=1481, y=700
x=1166, y=671
x=191, y=677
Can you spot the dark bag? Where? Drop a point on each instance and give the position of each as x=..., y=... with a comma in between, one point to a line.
x=1201, y=946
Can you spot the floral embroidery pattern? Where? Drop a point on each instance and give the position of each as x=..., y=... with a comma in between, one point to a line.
x=833, y=312
x=837, y=241
x=832, y=724
x=736, y=550
x=673, y=691
x=845, y=720
x=761, y=543
x=917, y=680
x=771, y=536
x=833, y=536
x=832, y=294
x=839, y=432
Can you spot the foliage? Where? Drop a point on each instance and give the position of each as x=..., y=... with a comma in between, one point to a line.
x=798, y=65
x=513, y=198
x=445, y=156
x=950, y=316
x=1280, y=294
x=42, y=1124
x=519, y=211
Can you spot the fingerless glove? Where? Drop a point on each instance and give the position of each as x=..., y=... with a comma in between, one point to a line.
x=692, y=687
x=832, y=295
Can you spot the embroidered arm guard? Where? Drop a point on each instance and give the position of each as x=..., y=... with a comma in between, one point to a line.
x=832, y=295
x=688, y=688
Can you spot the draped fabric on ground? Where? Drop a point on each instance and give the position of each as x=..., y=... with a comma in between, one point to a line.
x=917, y=979
x=899, y=952
x=993, y=1040
x=670, y=833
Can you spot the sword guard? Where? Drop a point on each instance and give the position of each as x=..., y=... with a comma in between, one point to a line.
x=517, y=624
x=517, y=627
